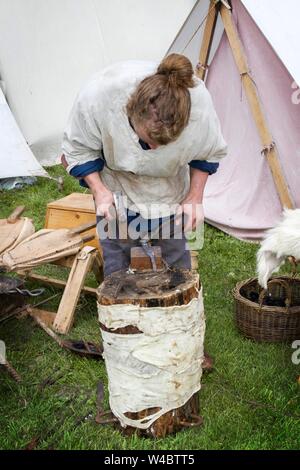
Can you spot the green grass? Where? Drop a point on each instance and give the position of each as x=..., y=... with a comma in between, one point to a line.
x=250, y=401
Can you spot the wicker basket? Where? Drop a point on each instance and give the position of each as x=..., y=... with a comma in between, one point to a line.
x=265, y=323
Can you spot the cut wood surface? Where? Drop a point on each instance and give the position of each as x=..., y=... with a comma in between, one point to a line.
x=149, y=289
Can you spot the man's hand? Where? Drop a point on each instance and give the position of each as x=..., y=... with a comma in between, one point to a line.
x=193, y=213
x=64, y=161
x=104, y=201
x=192, y=206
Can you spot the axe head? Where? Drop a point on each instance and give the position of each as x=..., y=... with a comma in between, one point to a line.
x=139, y=260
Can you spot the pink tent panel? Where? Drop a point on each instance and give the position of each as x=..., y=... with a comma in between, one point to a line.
x=241, y=198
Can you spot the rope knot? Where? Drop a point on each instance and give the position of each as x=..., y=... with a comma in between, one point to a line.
x=200, y=66
x=267, y=149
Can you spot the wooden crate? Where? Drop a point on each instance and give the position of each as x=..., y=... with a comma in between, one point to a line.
x=71, y=211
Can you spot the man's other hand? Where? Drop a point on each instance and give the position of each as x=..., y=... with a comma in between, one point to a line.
x=193, y=213
x=104, y=202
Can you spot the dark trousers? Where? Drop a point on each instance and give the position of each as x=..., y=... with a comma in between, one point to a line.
x=116, y=252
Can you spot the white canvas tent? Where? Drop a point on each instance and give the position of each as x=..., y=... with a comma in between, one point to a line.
x=48, y=49
x=242, y=198
x=15, y=155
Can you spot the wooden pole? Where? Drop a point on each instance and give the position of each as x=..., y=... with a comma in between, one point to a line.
x=201, y=71
x=269, y=148
x=207, y=39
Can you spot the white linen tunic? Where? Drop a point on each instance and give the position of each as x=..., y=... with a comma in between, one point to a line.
x=154, y=181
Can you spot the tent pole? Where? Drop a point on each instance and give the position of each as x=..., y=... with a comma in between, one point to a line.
x=207, y=39
x=269, y=148
x=201, y=70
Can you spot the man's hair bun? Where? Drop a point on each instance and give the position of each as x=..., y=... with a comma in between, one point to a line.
x=178, y=70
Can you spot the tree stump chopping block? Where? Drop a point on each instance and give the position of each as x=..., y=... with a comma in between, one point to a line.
x=153, y=293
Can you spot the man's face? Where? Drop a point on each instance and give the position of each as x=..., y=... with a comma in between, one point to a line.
x=141, y=131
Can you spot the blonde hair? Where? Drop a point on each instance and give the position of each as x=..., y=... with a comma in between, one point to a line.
x=162, y=102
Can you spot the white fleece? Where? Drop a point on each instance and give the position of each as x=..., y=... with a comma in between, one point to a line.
x=152, y=177
x=279, y=243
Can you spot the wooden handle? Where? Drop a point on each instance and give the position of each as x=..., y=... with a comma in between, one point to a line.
x=83, y=228
x=14, y=216
x=87, y=238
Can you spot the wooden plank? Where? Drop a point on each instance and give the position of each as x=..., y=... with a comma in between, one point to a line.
x=62, y=218
x=56, y=283
x=68, y=218
x=76, y=201
x=207, y=39
x=256, y=108
x=44, y=315
x=15, y=215
x=65, y=314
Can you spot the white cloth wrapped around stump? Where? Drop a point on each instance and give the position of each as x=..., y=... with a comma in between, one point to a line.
x=160, y=367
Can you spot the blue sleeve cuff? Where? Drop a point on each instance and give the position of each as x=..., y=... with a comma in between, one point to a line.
x=203, y=165
x=80, y=171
